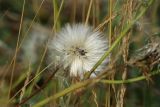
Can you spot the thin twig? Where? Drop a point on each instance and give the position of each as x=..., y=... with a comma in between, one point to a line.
x=16, y=51
x=41, y=88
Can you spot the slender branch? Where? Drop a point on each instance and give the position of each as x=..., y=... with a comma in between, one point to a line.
x=41, y=88
x=132, y=80
x=122, y=34
x=92, y=81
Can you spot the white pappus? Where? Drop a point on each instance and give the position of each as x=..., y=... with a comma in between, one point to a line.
x=78, y=47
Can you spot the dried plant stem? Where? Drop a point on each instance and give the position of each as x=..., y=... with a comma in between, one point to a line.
x=17, y=45
x=46, y=47
x=64, y=92
x=39, y=66
x=56, y=17
x=110, y=22
x=30, y=81
x=39, y=89
x=26, y=81
x=55, y=9
x=91, y=81
x=125, y=45
x=95, y=97
x=89, y=11
x=108, y=90
x=105, y=22
x=122, y=34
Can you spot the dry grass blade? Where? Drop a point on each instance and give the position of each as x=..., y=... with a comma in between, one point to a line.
x=88, y=13
x=14, y=61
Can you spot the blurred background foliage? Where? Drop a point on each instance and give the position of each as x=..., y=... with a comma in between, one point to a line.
x=39, y=18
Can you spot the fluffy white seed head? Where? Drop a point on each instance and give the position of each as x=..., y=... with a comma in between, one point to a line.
x=78, y=48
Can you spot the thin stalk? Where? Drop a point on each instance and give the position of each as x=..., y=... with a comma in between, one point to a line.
x=89, y=11
x=122, y=34
x=17, y=45
x=92, y=81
